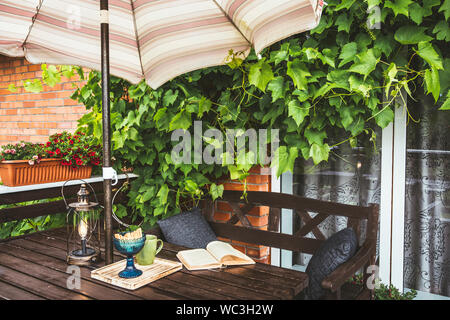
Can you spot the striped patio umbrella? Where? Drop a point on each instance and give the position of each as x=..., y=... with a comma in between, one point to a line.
x=155, y=40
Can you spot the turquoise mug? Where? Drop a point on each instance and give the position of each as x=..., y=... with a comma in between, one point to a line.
x=147, y=255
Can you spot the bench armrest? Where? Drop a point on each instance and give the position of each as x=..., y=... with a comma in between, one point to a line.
x=339, y=276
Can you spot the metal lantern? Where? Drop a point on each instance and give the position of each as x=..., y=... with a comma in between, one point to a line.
x=83, y=230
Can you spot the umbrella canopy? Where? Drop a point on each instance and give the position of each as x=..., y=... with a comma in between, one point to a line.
x=155, y=40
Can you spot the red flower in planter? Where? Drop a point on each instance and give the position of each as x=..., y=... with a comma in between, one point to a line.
x=50, y=153
x=76, y=150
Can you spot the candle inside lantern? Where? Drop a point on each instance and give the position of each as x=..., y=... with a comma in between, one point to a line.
x=82, y=228
x=83, y=231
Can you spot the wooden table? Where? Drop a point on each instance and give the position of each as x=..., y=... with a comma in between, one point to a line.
x=34, y=267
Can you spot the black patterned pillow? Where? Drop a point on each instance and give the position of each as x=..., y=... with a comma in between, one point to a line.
x=188, y=229
x=336, y=250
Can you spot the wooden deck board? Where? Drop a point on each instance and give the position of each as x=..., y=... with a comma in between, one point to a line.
x=55, y=259
x=215, y=283
x=34, y=267
x=10, y=292
x=263, y=279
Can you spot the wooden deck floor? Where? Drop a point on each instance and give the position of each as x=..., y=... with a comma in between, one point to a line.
x=34, y=267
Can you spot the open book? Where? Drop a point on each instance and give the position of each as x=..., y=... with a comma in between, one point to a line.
x=216, y=255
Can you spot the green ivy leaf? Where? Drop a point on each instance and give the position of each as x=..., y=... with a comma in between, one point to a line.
x=359, y=86
x=191, y=186
x=446, y=9
x=118, y=138
x=182, y=120
x=417, y=13
x=203, y=106
x=280, y=55
x=163, y=193
x=384, y=117
x=284, y=159
x=427, y=52
x=367, y=62
x=446, y=105
x=260, y=74
x=348, y=53
x=346, y=114
x=324, y=23
x=170, y=97
x=311, y=53
x=432, y=81
x=216, y=191
x=345, y=4
x=385, y=44
x=344, y=22
x=301, y=95
x=399, y=6
x=411, y=35
x=120, y=211
x=12, y=88
x=148, y=194
x=298, y=72
x=277, y=87
x=327, y=56
x=297, y=112
x=338, y=79
x=391, y=73
x=323, y=90
x=373, y=3
x=34, y=86
x=50, y=75
x=315, y=136
x=319, y=153
x=442, y=31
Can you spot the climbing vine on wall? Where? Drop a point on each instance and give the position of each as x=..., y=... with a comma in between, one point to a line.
x=344, y=77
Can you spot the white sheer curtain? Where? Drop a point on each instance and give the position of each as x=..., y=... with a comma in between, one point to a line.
x=427, y=216
x=351, y=176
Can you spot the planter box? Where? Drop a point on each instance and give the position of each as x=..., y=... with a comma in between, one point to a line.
x=19, y=173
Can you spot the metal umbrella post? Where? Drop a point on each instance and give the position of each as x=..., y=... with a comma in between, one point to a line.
x=108, y=172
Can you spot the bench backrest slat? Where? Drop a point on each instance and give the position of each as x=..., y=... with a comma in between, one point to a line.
x=301, y=206
x=288, y=201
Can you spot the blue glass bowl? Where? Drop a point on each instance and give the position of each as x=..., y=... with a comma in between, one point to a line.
x=129, y=248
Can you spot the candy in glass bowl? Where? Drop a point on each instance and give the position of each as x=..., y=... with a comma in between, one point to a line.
x=129, y=243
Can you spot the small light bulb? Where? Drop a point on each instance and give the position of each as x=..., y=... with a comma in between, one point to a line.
x=82, y=229
x=359, y=165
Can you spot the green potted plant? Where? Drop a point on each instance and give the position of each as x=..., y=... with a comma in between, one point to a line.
x=65, y=156
x=384, y=292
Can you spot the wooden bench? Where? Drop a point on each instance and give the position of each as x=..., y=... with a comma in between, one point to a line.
x=356, y=216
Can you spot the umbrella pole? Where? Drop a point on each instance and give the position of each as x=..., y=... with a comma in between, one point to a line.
x=107, y=188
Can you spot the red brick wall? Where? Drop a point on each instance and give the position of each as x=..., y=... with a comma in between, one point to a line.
x=258, y=180
x=33, y=117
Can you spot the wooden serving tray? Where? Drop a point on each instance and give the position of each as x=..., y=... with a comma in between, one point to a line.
x=159, y=269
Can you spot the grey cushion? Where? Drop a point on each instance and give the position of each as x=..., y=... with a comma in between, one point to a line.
x=188, y=229
x=336, y=250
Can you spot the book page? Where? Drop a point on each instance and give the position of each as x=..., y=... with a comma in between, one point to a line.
x=226, y=254
x=196, y=259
